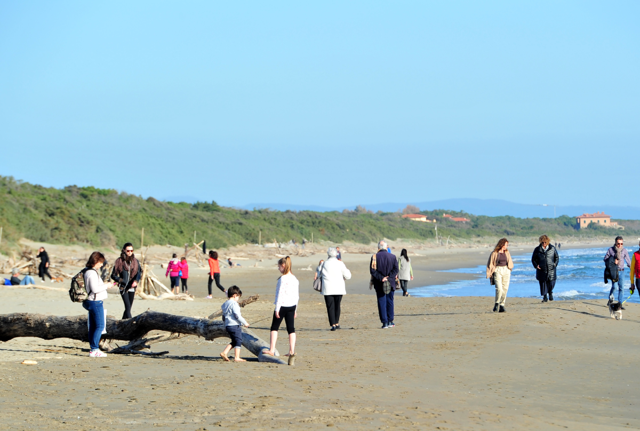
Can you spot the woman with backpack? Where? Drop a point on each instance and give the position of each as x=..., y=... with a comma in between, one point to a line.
x=173, y=270
x=405, y=271
x=126, y=272
x=97, y=293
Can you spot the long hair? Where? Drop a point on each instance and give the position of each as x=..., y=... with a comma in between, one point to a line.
x=286, y=262
x=213, y=254
x=95, y=258
x=124, y=256
x=500, y=244
x=404, y=254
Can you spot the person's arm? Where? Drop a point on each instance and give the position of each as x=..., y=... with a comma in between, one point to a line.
x=280, y=288
x=556, y=257
x=235, y=309
x=168, y=269
x=96, y=285
x=633, y=271
x=394, y=270
x=411, y=270
x=139, y=274
x=115, y=276
x=534, y=260
x=346, y=274
x=606, y=256
x=626, y=258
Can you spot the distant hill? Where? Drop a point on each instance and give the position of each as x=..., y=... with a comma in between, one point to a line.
x=485, y=207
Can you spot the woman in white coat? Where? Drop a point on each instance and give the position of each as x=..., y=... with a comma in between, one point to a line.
x=333, y=272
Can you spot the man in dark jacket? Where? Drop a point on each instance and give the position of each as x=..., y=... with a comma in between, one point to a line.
x=43, y=268
x=545, y=260
x=384, y=268
x=621, y=256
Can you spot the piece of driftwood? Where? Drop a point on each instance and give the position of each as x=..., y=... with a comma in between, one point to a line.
x=35, y=286
x=75, y=327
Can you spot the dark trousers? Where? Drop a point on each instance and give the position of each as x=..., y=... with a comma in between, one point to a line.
x=404, y=284
x=333, y=308
x=546, y=287
x=288, y=314
x=216, y=278
x=96, y=322
x=184, y=285
x=44, y=271
x=385, y=305
x=127, y=298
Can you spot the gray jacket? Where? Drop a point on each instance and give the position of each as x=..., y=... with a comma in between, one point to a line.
x=405, y=271
x=231, y=314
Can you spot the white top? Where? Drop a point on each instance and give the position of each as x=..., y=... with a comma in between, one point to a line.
x=287, y=291
x=96, y=288
x=333, y=275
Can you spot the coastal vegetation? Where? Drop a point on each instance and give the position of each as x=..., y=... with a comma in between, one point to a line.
x=105, y=217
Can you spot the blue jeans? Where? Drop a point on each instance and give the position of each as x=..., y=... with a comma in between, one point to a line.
x=27, y=280
x=385, y=306
x=96, y=322
x=618, y=285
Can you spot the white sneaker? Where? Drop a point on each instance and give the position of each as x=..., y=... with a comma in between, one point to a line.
x=97, y=354
x=53, y=281
x=209, y=297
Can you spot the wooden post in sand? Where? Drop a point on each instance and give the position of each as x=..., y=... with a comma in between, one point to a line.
x=311, y=237
x=0, y=234
x=141, y=238
x=259, y=236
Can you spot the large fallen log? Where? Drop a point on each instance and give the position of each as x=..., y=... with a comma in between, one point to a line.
x=75, y=327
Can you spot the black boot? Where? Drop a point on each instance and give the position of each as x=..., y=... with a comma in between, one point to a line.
x=502, y=310
x=544, y=299
x=550, y=296
x=495, y=308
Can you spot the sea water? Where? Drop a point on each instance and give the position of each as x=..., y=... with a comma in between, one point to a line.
x=580, y=276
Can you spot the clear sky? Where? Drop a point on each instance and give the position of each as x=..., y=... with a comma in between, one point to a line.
x=324, y=103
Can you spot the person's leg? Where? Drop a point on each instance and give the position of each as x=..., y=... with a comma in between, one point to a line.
x=91, y=319
x=183, y=283
x=390, y=307
x=127, y=305
x=543, y=290
x=550, y=285
x=131, y=296
x=621, y=286
x=613, y=289
x=403, y=286
x=331, y=311
x=273, y=338
x=337, y=299
x=506, y=279
x=382, y=306
x=216, y=277
x=209, y=284
x=498, y=277
x=47, y=273
x=289, y=319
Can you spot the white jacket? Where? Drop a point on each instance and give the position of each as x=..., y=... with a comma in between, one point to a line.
x=96, y=288
x=287, y=291
x=333, y=275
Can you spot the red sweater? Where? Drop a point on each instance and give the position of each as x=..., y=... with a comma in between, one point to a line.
x=214, y=266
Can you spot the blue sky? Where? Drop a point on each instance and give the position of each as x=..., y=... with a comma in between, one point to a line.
x=325, y=103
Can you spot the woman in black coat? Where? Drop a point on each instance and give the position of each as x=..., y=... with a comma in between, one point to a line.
x=545, y=260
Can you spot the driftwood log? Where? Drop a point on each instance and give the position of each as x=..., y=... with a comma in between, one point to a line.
x=75, y=327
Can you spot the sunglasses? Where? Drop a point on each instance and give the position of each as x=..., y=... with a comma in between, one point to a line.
x=129, y=251
x=618, y=243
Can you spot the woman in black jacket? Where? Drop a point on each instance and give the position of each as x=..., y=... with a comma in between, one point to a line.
x=545, y=260
x=43, y=268
x=126, y=272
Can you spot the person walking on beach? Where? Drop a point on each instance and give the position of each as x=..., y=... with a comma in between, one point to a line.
x=233, y=322
x=126, y=272
x=334, y=272
x=184, y=274
x=621, y=256
x=499, y=269
x=383, y=269
x=214, y=272
x=97, y=291
x=405, y=271
x=545, y=260
x=173, y=271
x=287, y=297
x=43, y=268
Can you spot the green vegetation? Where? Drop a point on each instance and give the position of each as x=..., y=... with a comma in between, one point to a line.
x=107, y=218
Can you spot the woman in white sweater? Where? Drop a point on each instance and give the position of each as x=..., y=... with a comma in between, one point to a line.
x=287, y=296
x=97, y=290
x=333, y=272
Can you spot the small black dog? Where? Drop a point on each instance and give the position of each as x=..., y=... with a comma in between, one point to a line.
x=615, y=309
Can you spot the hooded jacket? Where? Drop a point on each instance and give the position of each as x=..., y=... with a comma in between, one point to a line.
x=173, y=268
x=547, y=261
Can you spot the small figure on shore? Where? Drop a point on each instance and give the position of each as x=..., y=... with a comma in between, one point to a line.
x=635, y=270
x=621, y=256
x=15, y=278
x=184, y=274
x=173, y=271
x=545, y=260
x=287, y=297
x=43, y=268
x=126, y=272
x=333, y=272
x=383, y=269
x=339, y=256
x=97, y=290
x=233, y=322
x=499, y=269
x=214, y=272
x=405, y=271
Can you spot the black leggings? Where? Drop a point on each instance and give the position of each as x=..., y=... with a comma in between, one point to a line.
x=288, y=314
x=184, y=285
x=404, y=284
x=216, y=277
x=127, y=298
x=333, y=308
x=45, y=272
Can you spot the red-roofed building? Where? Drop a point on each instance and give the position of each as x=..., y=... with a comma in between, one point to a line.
x=458, y=219
x=418, y=217
x=599, y=218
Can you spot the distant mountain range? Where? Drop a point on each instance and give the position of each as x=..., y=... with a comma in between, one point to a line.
x=487, y=207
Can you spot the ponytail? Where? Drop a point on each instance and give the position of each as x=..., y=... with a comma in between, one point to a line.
x=286, y=262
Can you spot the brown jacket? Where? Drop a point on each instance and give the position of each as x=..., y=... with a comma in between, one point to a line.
x=493, y=262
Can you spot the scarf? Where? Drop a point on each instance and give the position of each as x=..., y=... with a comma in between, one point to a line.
x=132, y=267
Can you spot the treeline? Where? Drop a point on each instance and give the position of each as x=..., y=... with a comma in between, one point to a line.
x=104, y=217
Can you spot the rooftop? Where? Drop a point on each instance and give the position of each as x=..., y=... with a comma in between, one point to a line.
x=594, y=215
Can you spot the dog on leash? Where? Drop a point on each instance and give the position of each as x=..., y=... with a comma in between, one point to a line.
x=58, y=279
x=615, y=309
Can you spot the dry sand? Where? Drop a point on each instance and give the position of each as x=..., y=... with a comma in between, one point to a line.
x=450, y=363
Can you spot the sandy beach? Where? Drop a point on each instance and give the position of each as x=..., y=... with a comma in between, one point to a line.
x=450, y=363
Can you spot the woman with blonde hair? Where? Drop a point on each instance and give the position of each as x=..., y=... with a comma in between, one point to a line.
x=499, y=269
x=287, y=296
x=545, y=260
